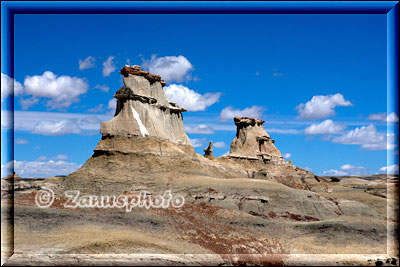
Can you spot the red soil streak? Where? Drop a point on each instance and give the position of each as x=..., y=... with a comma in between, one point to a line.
x=237, y=246
x=29, y=200
x=298, y=217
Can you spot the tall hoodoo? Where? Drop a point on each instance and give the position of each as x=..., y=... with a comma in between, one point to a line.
x=143, y=111
x=253, y=142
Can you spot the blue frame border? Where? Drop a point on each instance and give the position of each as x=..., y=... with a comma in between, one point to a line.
x=390, y=8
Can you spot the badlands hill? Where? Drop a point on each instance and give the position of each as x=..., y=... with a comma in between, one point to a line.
x=248, y=207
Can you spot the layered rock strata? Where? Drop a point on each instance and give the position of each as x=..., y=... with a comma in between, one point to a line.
x=252, y=142
x=142, y=111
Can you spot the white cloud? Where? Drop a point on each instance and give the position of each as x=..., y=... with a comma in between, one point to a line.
x=8, y=86
x=334, y=173
x=6, y=119
x=63, y=90
x=377, y=116
x=219, y=144
x=198, y=142
x=108, y=66
x=321, y=106
x=102, y=87
x=112, y=106
x=325, y=127
x=392, y=117
x=199, y=129
x=21, y=141
x=287, y=155
x=171, y=68
x=41, y=168
x=87, y=63
x=60, y=156
x=353, y=170
x=368, y=137
x=229, y=113
x=26, y=121
x=57, y=128
x=393, y=169
x=190, y=99
x=28, y=102
x=41, y=158
x=96, y=108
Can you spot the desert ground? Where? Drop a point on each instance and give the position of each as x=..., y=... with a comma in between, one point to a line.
x=223, y=221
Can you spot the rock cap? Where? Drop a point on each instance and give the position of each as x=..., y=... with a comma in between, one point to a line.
x=245, y=121
x=136, y=70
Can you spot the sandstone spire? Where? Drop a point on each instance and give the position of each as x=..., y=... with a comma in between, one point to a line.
x=208, y=152
x=142, y=111
x=253, y=142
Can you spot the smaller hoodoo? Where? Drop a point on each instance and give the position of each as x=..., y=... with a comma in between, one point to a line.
x=252, y=142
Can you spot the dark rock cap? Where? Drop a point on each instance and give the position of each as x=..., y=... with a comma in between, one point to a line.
x=245, y=121
x=136, y=70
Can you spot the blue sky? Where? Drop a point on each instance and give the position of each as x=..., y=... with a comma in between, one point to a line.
x=319, y=82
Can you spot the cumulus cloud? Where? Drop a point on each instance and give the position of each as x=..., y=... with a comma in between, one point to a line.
x=87, y=63
x=199, y=129
x=393, y=169
x=219, y=144
x=353, y=170
x=171, y=68
x=198, y=142
x=102, y=87
x=325, y=127
x=21, y=141
x=368, y=137
x=190, y=99
x=57, y=127
x=321, y=106
x=62, y=90
x=229, y=112
x=96, y=108
x=287, y=155
x=392, y=117
x=8, y=86
x=108, y=66
x=41, y=168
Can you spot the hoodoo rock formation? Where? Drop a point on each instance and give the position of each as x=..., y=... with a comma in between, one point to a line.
x=142, y=111
x=253, y=142
x=146, y=137
x=208, y=152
